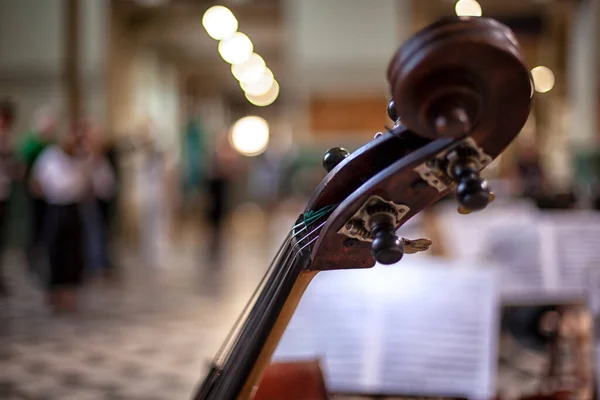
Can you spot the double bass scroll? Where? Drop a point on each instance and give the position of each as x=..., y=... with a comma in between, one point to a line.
x=460, y=94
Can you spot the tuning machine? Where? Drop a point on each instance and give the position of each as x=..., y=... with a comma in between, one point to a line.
x=376, y=222
x=458, y=167
x=472, y=191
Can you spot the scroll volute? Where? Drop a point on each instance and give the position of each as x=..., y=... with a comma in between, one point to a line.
x=458, y=78
x=462, y=76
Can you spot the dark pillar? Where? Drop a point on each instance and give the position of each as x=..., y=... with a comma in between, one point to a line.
x=72, y=60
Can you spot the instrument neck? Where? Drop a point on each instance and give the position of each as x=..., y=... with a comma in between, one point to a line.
x=262, y=329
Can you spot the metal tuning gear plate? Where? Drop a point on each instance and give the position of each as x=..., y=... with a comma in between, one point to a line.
x=436, y=171
x=358, y=227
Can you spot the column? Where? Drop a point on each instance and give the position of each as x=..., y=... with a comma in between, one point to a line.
x=72, y=62
x=583, y=66
x=583, y=91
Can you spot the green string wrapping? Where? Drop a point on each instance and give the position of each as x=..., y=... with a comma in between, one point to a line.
x=313, y=215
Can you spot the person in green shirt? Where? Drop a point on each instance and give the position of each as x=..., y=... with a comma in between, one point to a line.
x=37, y=139
x=34, y=142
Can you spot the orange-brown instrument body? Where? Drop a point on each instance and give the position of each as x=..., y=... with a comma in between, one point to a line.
x=302, y=380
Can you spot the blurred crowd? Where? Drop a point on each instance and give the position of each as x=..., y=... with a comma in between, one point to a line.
x=71, y=179
x=69, y=183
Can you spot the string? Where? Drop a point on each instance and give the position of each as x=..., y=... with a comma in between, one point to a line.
x=236, y=326
x=239, y=352
x=312, y=216
x=295, y=255
x=309, y=217
x=254, y=294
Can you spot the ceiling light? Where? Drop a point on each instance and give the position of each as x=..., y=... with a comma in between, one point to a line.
x=219, y=22
x=543, y=79
x=266, y=99
x=467, y=8
x=237, y=49
x=260, y=86
x=249, y=71
x=250, y=136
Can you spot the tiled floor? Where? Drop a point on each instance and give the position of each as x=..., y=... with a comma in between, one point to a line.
x=149, y=338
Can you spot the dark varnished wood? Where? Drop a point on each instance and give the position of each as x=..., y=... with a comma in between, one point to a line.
x=399, y=183
x=361, y=165
x=473, y=63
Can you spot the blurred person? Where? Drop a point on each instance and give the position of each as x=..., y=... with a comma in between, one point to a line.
x=530, y=172
x=95, y=221
x=108, y=207
x=194, y=152
x=34, y=142
x=189, y=196
x=269, y=169
x=152, y=198
x=224, y=167
x=66, y=175
x=7, y=118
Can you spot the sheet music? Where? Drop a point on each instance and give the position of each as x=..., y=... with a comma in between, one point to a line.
x=412, y=329
x=546, y=258
x=516, y=251
x=593, y=286
x=465, y=235
x=576, y=247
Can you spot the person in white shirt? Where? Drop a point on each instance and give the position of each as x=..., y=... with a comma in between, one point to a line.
x=66, y=176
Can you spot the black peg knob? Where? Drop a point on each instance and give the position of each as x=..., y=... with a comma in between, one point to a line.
x=387, y=248
x=333, y=157
x=472, y=192
x=391, y=110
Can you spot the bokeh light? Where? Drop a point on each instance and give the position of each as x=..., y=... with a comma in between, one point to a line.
x=467, y=8
x=251, y=70
x=543, y=79
x=265, y=99
x=237, y=49
x=250, y=135
x=219, y=22
x=260, y=86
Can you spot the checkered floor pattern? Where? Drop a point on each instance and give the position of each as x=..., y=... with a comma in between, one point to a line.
x=141, y=340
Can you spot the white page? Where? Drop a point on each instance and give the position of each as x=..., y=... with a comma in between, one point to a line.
x=576, y=248
x=465, y=235
x=421, y=327
x=593, y=287
x=515, y=250
x=546, y=259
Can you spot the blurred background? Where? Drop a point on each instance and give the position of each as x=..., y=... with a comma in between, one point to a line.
x=207, y=123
